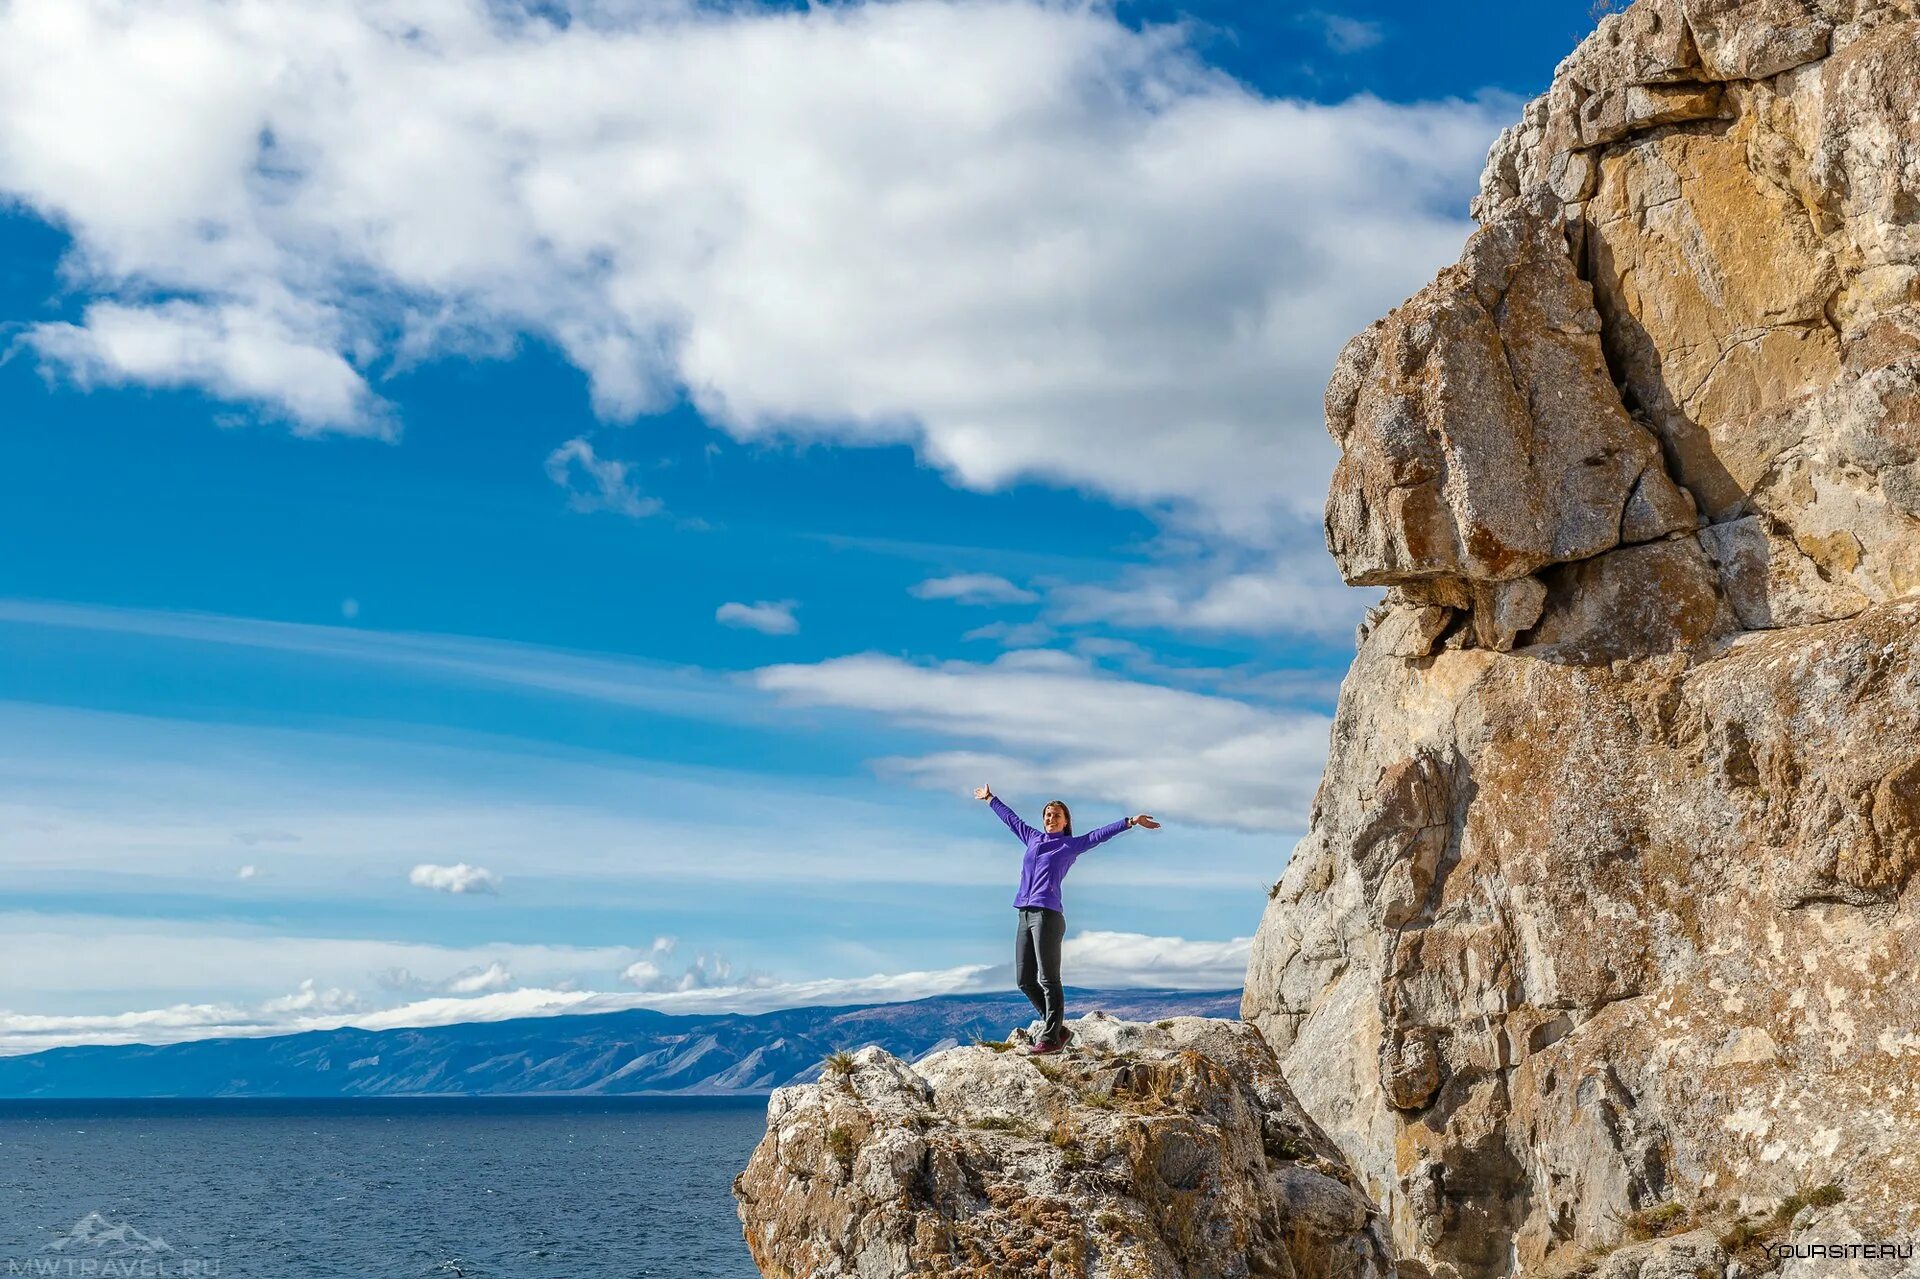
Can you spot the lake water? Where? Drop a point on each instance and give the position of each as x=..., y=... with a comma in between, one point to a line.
x=491, y=1188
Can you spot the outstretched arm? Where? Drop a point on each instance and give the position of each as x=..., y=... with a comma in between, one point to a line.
x=1023, y=832
x=1107, y=832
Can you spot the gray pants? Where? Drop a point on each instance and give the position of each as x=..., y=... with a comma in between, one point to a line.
x=1036, y=965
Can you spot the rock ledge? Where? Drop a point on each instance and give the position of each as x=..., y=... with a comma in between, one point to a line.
x=1145, y=1151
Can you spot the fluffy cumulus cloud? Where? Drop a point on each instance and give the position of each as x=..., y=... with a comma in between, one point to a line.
x=1021, y=236
x=1055, y=722
x=310, y=998
x=476, y=981
x=706, y=971
x=769, y=617
x=457, y=878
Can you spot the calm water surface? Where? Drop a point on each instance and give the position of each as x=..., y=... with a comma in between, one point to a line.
x=488, y=1188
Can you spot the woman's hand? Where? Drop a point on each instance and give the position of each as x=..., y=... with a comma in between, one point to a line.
x=1142, y=819
x=982, y=792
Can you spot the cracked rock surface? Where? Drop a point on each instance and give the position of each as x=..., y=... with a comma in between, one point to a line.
x=1165, y=1151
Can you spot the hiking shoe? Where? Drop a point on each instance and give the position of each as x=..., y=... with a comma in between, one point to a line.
x=1053, y=1045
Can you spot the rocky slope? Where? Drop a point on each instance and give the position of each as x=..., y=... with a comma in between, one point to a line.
x=1608, y=901
x=1166, y=1151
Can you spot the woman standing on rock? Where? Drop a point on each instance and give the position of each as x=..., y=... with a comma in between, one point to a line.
x=1051, y=852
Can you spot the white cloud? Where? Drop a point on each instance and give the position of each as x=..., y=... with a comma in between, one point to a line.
x=248, y=872
x=706, y=972
x=1050, y=720
x=1137, y=959
x=311, y=999
x=1297, y=593
x=457, y=878
x=1014, y=634
x=621, y=681
x=1112, y=959
x=1025, y=238
x=770, y=617
x=476, y=981
x=285, y=360
x=606, y=486
x=29, y=1032
x=1345, y=34
x=972, y=588
x=121, y=804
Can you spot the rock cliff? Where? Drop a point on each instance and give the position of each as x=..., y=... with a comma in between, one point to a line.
x=1166, y=1151
x=1606, y=924
x=1607, y=908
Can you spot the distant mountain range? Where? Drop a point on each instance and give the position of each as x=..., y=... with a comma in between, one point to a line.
x=600, y=1053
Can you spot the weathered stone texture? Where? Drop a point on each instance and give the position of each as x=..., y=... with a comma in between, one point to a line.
x=1481, y=435
x=1609, y=900
x=1567, y=941
x=1171, y=1151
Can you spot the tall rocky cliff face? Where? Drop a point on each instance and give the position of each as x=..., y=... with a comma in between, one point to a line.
x=1609, y=896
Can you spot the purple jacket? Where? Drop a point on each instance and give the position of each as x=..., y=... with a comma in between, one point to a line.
x=1049, y=857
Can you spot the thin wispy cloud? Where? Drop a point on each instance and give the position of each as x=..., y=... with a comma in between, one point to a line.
x=634, y=682
x=972, y=588
x=1054, y=721
x=1288, y=593
x=122, y=804
x=1015, y=634
x=595, y=483
x=1345, y=33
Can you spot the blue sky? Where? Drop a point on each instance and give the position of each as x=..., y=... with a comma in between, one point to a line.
x=652, y=461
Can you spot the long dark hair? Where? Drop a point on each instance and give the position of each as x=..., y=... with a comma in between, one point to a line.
x=1064, y=812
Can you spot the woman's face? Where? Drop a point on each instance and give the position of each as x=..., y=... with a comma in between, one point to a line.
x=1054, y=819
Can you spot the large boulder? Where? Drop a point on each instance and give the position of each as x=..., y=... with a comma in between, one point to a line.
x=1167, y=1151
x=1481, y=435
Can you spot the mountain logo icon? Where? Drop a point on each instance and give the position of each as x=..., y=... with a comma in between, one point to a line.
x=95, y=1235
